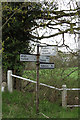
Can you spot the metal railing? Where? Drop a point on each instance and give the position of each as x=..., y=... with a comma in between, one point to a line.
x=64, y=89
x=35, y=82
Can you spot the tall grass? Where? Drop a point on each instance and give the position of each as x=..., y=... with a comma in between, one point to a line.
x=22, y=105
x=54, y=77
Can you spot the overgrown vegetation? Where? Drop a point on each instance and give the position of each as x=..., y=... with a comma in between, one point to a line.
x=50, y=100
x=22, y=105
x=54, y=78
x=21, y=23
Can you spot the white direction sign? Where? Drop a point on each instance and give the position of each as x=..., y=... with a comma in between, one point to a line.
x=49, y=50
x=44, y=59
x=25, y=57
x=33, y=58
x=47, y=65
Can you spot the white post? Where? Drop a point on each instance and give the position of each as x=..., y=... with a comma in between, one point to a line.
x=64, y=96
x=9, y=81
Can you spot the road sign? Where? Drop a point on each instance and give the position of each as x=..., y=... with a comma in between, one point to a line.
x=33, y=58
x=25, y=57
x=49, y=50
x=47, y=66
x=44, y=59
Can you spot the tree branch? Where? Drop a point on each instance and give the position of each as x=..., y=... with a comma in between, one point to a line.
x=69, y=73
x=53, y=35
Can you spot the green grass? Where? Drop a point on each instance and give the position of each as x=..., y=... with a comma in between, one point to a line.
x=17, y=105
x=22, y=105
x=55, y=76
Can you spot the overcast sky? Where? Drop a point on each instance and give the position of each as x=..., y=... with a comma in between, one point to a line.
x=69, y=39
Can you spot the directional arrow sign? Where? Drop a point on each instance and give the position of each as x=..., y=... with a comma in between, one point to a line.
x=33, y=58
x=49, y=50
x=44, y=59
x=25, y=57
x=47, y=66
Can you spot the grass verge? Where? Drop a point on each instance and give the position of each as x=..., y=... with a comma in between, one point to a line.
x=23, y=105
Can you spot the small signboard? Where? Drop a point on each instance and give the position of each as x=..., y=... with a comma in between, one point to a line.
x=47, y=66
x=44, y=59
x=25, y=57
x=49, y=50
x=33, y=58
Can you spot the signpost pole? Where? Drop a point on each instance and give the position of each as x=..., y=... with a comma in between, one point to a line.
x=37, y=82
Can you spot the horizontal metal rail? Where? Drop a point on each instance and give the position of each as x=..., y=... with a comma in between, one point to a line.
x=35, y=82
x=72, y=88
x=23, y=78
x=73, y=105
x=49, y=86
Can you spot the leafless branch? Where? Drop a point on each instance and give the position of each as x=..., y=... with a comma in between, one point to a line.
x=69, y=73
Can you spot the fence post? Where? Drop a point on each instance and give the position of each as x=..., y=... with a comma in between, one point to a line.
x=9, y=81
x=64, y=96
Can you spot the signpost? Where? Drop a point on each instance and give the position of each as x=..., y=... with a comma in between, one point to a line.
x=43, y=61
x=37, y=82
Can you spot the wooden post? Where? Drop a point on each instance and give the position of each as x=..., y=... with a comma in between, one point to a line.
x=64, y=96
x=9, y=81
x=37, y=82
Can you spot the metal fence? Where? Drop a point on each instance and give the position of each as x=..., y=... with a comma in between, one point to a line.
x=64, y=89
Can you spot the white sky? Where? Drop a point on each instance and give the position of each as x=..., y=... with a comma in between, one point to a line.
x=69, y=39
